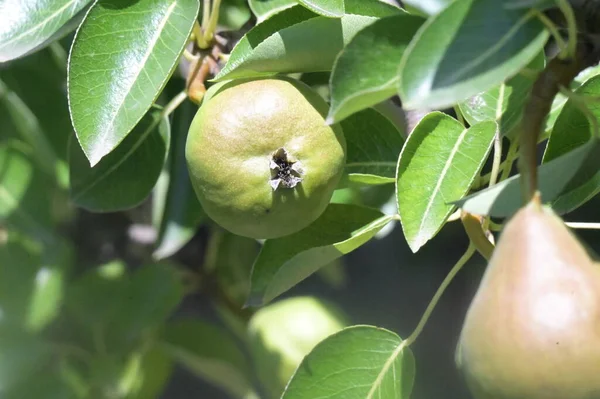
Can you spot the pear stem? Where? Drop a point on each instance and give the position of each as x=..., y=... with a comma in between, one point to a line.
x=438, y=294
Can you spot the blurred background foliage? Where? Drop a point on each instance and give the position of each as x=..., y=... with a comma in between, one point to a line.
x=87, y=310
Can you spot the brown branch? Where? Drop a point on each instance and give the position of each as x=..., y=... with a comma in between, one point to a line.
x=558, y=73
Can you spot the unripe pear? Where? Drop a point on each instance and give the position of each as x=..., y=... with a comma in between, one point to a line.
x=261, y=158
x=533, y=328
x=283, y=333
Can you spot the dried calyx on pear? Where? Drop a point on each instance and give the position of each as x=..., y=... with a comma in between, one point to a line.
x=533, y=328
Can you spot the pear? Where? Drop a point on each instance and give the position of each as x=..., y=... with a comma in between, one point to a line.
x=533, y=328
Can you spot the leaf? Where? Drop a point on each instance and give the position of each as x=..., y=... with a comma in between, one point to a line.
x=439, y=162
x=327, y=8
x=284, y=262
x=504, y=198
x=366, y=71
x=504, y=103
x=24, y=192
x=561, y=99
x=31, y=281
x=360, y=362
x=210, y=353
x=122, y=55
x=297, y=40
x=451, y=58
x=22, y=355
x=153, y=375
x=176, y=209
x=572, y=130
x=153, y=292
x=426, y=7
x=28, y=126
x=48, y=286
x=263, y=9
x=47, y=122
x=231, y=261
x=25, y=24
x=373, y=145
x=115, y=183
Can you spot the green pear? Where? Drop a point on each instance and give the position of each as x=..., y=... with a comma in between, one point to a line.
x=283, y=333
x=262, y=160
x=533, y=328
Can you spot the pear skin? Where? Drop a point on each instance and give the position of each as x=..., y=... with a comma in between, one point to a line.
x=533, y=328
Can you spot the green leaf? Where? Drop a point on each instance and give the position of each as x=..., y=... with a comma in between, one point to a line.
x=210, y=353
x=153, y=375
x=48, y=286
x=439, y=163
x=115, y=183
x=176, y=210
x=122, y=55
x=366, y=71
x=327, y=8
x=504, y=103
x=572, y=130
x=153, y=292
x=504, y=198
x=263, y=9
x=373, y=145
x=360, y=362
x=47, y=122
x=31, y=281
x=24, y=192
x=426, y=7
x=284, y=262
x=561, y=99
x=95, y=297
x=297, y=40
x=231, y=261
x=22, y=355
x=29, y=129
x=25, y=24
x=451, y=58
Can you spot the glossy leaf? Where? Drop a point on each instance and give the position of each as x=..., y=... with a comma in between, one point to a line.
x=373, y=144
x=122, y=55
x=284, y=262
x=115, y=183
x=561, y=99
x=176, y=210
x=210, y=353
x=327, y=8
x=366, y=71
x=571, y=130
x=439, y=162
x=26, y=24
x=426, y=7
x=263, y=9
x=451, y=58
x=24, y=192
x=503, y=103
x=504, y=198
x=358, y=362
x=298, y=40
